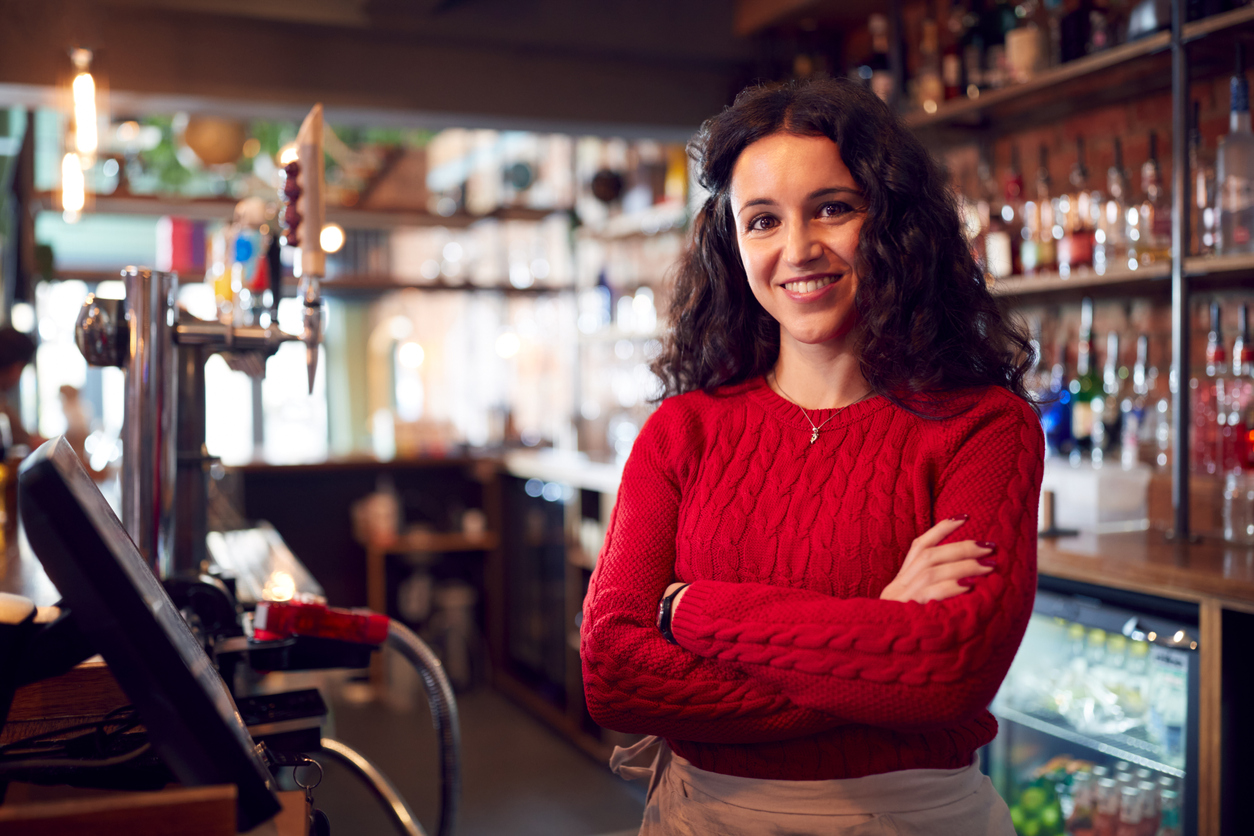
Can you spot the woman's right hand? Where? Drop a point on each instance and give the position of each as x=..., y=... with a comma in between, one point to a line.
x=932, y=572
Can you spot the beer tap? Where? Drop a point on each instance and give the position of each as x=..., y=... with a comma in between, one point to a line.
x=165, y=467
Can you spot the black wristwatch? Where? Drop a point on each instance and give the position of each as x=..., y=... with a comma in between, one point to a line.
x=664, y=610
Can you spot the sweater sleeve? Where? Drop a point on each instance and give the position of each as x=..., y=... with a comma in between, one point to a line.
x=634, y=680
x=903, y=666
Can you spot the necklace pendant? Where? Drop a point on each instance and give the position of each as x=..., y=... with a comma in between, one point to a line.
x=814, y=436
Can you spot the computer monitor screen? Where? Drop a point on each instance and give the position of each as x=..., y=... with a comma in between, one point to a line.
x=119, y=604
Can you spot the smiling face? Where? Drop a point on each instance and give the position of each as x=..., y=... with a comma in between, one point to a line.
x=798, y=214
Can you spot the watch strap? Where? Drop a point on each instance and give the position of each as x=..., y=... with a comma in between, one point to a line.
x=664, y=613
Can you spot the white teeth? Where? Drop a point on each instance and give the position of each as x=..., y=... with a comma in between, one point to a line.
x=810, y=286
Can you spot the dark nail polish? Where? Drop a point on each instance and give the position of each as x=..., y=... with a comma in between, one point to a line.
x=987, y=561
x=967, y=582
x=960, y=518
x=986, y=544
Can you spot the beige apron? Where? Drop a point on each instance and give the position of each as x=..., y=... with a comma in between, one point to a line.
x=683, y=800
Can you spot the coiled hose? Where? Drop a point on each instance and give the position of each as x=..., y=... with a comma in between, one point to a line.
x=443, y=715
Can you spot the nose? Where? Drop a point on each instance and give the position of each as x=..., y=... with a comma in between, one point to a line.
x=801, y=246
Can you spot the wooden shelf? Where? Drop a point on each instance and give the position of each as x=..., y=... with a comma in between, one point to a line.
x=1149, y=278
x=222, y=209
x=1205, y=273
x=347, y=285
x=1117, y=74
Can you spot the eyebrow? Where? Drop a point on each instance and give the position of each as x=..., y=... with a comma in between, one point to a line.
x=766, y=201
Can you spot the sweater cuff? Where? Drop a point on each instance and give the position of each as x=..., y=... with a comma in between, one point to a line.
x=691, y=610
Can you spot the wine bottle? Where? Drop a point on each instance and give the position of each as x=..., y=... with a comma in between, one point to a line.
x=1235, y=169
x=1085, y=386
x=1110, y=238
x=1154, y=212
x=1203, y=218
x=1075, y=250
x=880, y=71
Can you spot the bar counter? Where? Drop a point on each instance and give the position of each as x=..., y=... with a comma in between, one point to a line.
x=1146, y=561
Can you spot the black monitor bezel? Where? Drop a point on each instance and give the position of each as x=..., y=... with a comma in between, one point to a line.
x=122, y=608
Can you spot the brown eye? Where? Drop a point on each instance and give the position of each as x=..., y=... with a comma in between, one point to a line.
x=761, y=222
x=834, y=210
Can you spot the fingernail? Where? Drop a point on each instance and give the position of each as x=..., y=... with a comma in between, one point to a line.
x=967, y=582
x=987, y=561
x=960, y=518
x=987, y=544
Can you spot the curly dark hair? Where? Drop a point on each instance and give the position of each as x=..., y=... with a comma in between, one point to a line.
x=927, y=322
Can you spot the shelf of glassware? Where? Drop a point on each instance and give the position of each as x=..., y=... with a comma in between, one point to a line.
x=1211, y=270
x=1121, y=746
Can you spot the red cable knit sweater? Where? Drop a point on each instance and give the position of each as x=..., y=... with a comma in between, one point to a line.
x=788, y=665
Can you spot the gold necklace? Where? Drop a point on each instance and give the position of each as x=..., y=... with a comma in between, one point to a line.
x=814, y=428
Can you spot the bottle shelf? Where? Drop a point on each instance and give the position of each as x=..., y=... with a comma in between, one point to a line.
x=1053, y=284
x=222, y=209
x=1113, y=75
x=1206, y=273
x=1122, y=747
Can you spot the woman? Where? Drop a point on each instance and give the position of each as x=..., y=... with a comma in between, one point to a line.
x=782, y=595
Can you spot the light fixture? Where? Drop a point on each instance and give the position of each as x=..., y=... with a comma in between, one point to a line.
x=86, y=139
x=332, y=238
x=73, y=188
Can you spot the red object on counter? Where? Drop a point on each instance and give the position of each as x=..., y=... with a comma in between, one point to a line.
x=276, y=620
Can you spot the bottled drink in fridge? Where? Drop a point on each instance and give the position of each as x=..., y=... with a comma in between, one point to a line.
x=1169, y=814
x=1234, y=171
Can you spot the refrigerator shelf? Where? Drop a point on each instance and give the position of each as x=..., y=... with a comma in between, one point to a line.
x=1114, y=747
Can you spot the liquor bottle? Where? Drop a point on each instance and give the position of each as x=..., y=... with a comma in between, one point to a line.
x=1207, y=396
x=1155, y=211
x=1235, y=170
x=998, y=19
x=951, y=54
x=973, y=49
x=1085, y=386
x=1203, y=218
x=1240, y=391
x=1108, y=417
x=1110, y=239
x=1038, y=252
x=1133, y=408
x=1075, y=31
x=1026, y=52
x=1056, y=411
x=1075, y=250
x=929, y=88
x=1159, y=406
x=879, y=71
x=999, y=252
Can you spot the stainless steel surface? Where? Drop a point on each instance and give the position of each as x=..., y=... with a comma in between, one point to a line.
x=443, y=713
x=1179, y=278
x=163, y=435
x=193, y=462
x=311, y=295
x=102, y=333
x=148, y=461
x=378, y=783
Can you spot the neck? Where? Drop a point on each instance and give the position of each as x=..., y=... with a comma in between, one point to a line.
x=825, y=376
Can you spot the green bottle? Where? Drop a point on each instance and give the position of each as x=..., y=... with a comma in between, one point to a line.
x=1085, y=386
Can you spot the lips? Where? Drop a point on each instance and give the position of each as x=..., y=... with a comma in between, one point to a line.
x=808, y=285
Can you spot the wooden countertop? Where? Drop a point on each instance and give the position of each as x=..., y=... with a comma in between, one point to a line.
x=1145, y=561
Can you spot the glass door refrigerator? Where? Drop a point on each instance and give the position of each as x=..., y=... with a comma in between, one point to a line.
x=1098, y=716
